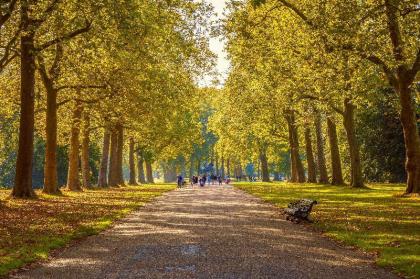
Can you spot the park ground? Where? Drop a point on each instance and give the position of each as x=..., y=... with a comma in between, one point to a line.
x=30, y=229
x=376, y=219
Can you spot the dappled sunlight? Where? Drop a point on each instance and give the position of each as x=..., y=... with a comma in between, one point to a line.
x=39, y=225
x=376, y=219
x=79, y=262
x=190, y=232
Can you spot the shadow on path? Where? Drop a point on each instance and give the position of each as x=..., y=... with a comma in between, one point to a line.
x=212, y=232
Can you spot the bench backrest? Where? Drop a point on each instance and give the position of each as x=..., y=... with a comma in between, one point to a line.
x=303, y=204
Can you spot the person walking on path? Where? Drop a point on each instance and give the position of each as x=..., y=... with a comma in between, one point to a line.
x=180, y=180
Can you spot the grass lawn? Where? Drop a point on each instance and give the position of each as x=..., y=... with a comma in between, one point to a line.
x=375, y=219
x=29, y=229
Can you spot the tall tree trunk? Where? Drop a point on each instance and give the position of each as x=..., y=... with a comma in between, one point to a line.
x=222, y=170
x=337, y=174
x=411, y=139
x=355, y=165
x=149, y=172
x=322, y=167
x=228, y=167
x=132, y=180
x=259, y=169
x=50, y=167
x=402, y=81
x=293, y=168
x=310, y=156
x=23, y=177
x=102, y=178
x=140, y=168
x=113, y=160
x=217, y=163
x=198, y=167
x=191, y=166
x=73, y=182
x=120, y=151
x=264, y=166
x=85, y=151
x=298, y=172
x=299, y=165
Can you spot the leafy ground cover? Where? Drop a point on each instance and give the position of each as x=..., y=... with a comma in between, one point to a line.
x=376, y=219
x=30, y=229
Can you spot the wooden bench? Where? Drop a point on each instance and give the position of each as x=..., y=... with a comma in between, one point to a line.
x=299, y=210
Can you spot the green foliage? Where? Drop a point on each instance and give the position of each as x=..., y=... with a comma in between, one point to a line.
x=382, y=141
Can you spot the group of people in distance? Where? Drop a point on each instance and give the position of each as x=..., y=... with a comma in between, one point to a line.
x=201, y=180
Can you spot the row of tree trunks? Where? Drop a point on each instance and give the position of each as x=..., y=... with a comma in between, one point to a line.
x=131, y=162
x=169, y=173
x=102, y=177
x=337, y=174
x=310, y=156
x=298, y=172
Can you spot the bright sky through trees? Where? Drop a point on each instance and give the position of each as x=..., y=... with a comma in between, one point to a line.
x=217, y=44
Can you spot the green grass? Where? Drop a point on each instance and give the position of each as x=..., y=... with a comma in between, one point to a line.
x=376, y=219
x=30, y=229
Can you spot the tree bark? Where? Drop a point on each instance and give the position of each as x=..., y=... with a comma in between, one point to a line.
x=113, y=160
x=322, y=168
x=337, y=174
x=120, y=152
x=23, y=177
x=310, y=156
x=402, y=80
x=222, y=170
x=73, y=182
x=264, y=166
x=191, y=166
x=85, y=151
x=355, y=165
x=132, y=180
x=48, y=79
x=217, y=164
x=298, y=172
x=149, y=172
x=228, y=167
x=411, y=139
x=293, y=168
x=102, y=178
x=140, y=168
x=50, y=167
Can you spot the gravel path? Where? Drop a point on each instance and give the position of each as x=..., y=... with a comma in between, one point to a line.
x=212, y=232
